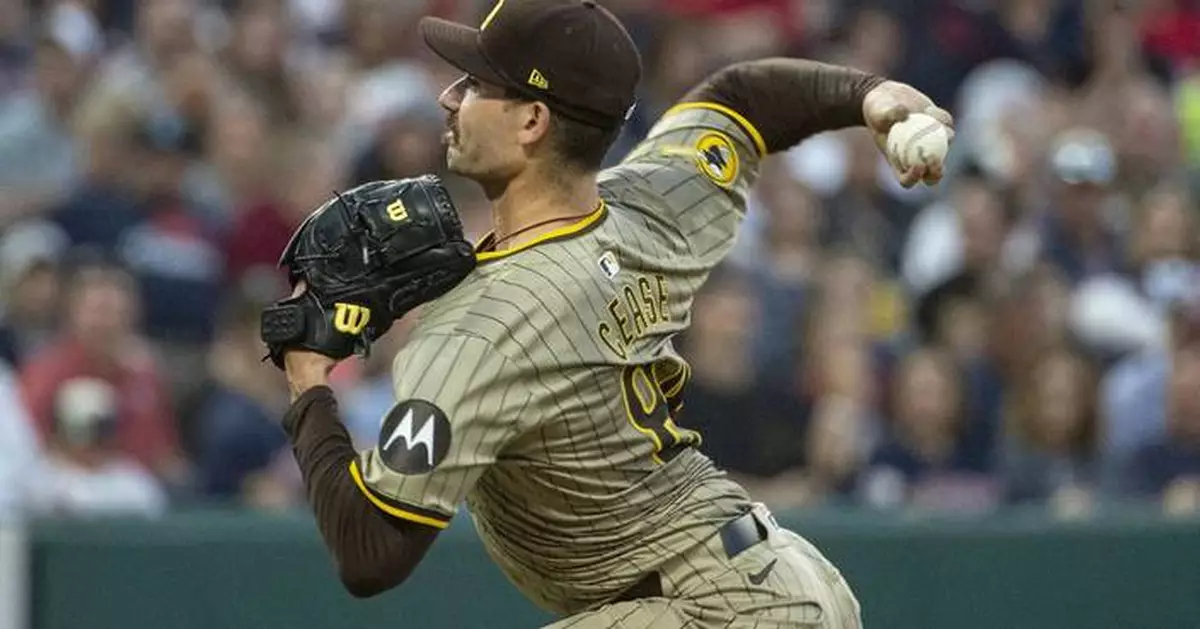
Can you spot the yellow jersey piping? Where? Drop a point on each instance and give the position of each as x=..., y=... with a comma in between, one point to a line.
x=390, y=509
x=573, y=229
x=759, y=142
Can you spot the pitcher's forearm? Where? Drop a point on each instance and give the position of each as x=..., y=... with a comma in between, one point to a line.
x=374, y=552
x=789, y=100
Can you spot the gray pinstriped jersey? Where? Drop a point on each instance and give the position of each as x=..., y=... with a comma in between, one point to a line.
x=541, y=390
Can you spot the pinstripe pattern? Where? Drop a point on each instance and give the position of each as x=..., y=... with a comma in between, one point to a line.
x=555, y=368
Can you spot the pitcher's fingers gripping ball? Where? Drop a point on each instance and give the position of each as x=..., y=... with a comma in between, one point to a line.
x=919, y=140
x=913, y=133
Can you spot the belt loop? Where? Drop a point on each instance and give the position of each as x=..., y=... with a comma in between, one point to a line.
x=768, y=518
x=742, y=532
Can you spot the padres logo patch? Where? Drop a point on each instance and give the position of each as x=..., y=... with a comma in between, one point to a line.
x=717, y=158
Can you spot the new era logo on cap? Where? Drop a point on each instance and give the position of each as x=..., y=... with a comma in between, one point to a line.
x=537, y=80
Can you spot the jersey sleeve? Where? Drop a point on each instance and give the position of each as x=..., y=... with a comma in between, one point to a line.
x=456, y=408
x=693, y=173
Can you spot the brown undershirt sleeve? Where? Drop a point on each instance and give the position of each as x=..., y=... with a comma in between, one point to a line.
x=789, y=100
x=373, y=551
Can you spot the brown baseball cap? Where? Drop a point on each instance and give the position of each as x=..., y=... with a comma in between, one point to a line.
x=573, y=55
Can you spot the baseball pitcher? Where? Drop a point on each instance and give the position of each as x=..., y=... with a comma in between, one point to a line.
x=540, y=387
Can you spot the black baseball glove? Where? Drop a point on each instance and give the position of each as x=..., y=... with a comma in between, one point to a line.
x=367, y=257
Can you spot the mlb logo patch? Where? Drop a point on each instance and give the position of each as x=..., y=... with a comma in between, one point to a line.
x=608, y=265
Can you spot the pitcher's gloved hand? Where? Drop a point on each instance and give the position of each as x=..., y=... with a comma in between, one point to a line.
x=366, y=258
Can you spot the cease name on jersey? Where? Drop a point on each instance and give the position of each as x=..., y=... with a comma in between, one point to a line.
x=638, y=305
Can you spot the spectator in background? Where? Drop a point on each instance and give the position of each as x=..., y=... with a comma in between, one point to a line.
x=1116, y=63
x=305, y=173
x=837, y=376
x=1119, y=315
x=256, y=56
x=862, y=215
x=1077, y=233
x=751, y=429
x=654, y=37
x=385, y=81
x=406, y=145
x=834, y=455
x=192, y=82
x=965, y=232
x=874, y=41
x=957, y=317
x=779, y=254
x=1050, y=448
x=194, y=88
x=14, y=46
x=234, y=172
x=103, y=204
x=1168, y=469
x=742, y=29
x=848, y=329
x=843, y=167
x=101, y=339
x=959, y=35
x=370, y=395
x=171, y=249
x=133, y=80
x=322, y=87
x=678, y=58
x=1136, y=396
x=1005, y=113
x=316, y=22
x=1048, y=34
x=1145, y=137
x=1166, y=241
x=106, y=204
x=858, y=299
x=30, y=254
x=239, y=441
x=948, y=37
x=921, y=463
x=1031, y=316
x=39, y=155
x=1171, y=30
x=86, y=472
x=20, y=449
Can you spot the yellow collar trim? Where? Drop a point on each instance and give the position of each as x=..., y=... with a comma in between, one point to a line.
x=562, y=232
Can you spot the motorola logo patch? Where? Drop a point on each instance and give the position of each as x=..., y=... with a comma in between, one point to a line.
x=414, y=438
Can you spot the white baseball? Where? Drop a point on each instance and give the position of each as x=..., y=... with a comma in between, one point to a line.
x=919, y=139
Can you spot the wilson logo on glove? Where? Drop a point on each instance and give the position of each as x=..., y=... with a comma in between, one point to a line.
x=366, y=258
x=350, y=318
x=397, y=212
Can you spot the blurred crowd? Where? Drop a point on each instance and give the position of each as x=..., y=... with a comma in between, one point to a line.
x=1025, y=333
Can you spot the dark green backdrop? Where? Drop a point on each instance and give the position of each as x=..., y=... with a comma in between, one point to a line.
x=218, y=570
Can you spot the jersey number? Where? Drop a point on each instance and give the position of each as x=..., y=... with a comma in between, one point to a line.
x=649, y=410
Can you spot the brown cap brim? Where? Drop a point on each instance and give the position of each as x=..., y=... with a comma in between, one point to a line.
x=459, y=46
